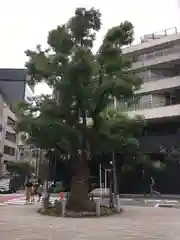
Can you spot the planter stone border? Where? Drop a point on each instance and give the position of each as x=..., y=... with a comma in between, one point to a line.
x=71, y=214
x=59, y=210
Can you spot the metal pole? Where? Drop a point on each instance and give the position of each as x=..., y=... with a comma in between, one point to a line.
x=37, y=157
x=100, y=180
x=105, y=181
x=45, y=174
x=114, y=174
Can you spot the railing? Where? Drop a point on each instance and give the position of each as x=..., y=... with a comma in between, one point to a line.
x=159, y=34
x=155, y=54
x=152, y=78
x=145, y=105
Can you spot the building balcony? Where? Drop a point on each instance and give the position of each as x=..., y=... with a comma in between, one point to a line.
x=155, y=58
x=159, y=84
x=170, y=35
x=10, y=143
x=159, y=112
x=152, y=144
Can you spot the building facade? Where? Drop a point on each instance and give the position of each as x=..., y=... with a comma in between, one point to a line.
x=13, y=88
x=157, y=61
x=8, y=136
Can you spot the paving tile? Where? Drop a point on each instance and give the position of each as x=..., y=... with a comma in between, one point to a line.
x=136, y=223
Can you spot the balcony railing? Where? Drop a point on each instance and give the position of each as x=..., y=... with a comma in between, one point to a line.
x=159, y=34
x=146, y=105
x=153, y=78
x=156, y=54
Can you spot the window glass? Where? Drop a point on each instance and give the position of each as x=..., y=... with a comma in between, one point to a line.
x=9, y=150
x=10, y=122
x=11, y=136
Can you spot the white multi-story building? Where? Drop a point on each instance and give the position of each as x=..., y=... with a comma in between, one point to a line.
x=157, y=61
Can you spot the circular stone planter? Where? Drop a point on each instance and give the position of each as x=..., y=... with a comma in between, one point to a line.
x=104, y=211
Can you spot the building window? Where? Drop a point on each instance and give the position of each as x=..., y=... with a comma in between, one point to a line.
x=9, y=150
x=144, y=101
x=10, y=122
x=11, y=137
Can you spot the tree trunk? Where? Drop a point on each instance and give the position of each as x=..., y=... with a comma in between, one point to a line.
x=79, y=199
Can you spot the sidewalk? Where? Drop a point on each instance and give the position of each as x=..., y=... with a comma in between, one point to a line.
x=135, y=223
x=7, y=197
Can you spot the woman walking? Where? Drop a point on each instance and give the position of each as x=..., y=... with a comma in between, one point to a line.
x=152, y=190
x=32, y=193
x=28, y=190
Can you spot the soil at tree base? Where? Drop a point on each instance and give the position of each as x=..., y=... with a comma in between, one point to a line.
x=105, y=211
x=76, y=206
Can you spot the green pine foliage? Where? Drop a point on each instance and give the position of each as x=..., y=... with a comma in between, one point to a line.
x=76, y=116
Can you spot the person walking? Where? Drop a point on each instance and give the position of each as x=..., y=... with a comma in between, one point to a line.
x=33, y=190
x=152, y=190
x=39, y=191
x=28, y=190
x=146, y=181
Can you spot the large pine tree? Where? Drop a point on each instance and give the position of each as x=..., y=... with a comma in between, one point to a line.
x=75, y=119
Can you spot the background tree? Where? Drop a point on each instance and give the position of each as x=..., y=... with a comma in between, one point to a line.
x=83, y=84
x=23, y=169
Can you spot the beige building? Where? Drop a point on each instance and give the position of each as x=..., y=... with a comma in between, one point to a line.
x=8, y=136
x=14, y=87
x=11, y=146
x=156, y=59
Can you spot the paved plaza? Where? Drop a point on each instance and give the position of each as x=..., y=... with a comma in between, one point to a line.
x=136, y=223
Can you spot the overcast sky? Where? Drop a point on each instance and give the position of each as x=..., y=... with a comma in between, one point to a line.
x=25, y=23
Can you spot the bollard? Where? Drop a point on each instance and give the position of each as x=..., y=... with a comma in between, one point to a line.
x=118, y=206
x=98, y=208
x=63, y=207
x=43, y=206
x=114, y=200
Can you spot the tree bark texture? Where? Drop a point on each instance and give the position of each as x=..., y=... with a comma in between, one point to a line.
x=79, y=198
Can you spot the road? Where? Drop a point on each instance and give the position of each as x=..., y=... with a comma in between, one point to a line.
x=135, y=223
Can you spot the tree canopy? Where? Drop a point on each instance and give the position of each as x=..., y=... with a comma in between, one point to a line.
x=76, y=119
x=23, y=169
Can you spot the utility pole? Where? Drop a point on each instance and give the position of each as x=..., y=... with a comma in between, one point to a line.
x=114, y=174
x=100, y=180
x=114, y=162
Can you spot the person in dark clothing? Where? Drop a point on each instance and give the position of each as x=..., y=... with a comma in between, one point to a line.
x=146, y=180
x=152, y=190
